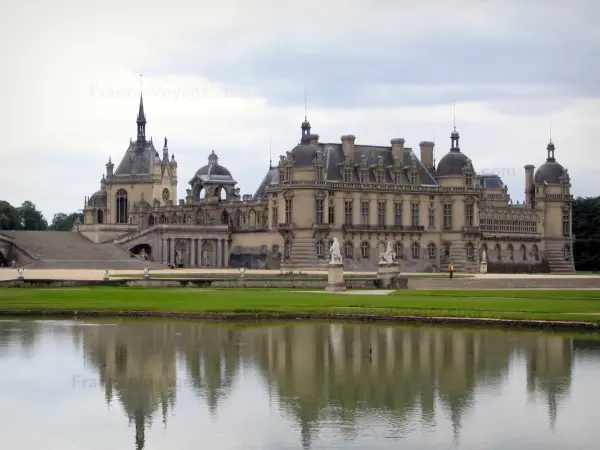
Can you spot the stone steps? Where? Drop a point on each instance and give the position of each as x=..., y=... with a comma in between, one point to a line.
x=65, y=249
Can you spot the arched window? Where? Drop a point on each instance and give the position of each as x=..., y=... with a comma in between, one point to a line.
x=150, y=221
x=122, y=206
x=498, y=251
x=399, y=250
x=511, y=252
x=567, y=252
x=225, y=218
x=99, y=216
x=364, y=250
x=348, y=250
x=252, y=218
x=320, y=249
x=431, y=250
x=186, y=219
x=470, y=251
x=174, y=218
x=447, y=247
x=163, y=219
x=200, y=217
x=536, y=253
x=523, y=253
x=415, y=250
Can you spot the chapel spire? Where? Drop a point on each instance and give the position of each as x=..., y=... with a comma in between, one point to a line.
x=141, y=123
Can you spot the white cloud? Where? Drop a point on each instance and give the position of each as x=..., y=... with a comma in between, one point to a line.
x=69, y=88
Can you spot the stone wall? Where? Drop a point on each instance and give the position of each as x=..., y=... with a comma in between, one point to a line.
x=520, y=267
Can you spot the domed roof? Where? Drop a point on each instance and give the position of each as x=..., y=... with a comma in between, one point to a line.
x=451, y=165
x=213, y=167
x=304, y=154
x=97, y=199
x=549, y=172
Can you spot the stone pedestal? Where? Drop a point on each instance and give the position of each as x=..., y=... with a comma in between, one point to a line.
x=146, y=274
x=387, y=274
x=335, y=278
x=483, y=267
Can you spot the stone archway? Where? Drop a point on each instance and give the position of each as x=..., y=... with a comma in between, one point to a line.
x=225, y=218
x=142, y=251
x=3, y=260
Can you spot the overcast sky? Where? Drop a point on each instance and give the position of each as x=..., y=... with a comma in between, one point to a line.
x=230, y=76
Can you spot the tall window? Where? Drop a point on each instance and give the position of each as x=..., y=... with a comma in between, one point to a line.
x=413, y=178
x=469, y=215
x=100, y=217
x=122, y=206
x=331, y=211
x=348, y=212
x=288, y=174
x=470, y=252
x=398, y=178
x=414, y=214
x=364, y=213
x=381, y=213
x=399, y=250
x=431, y=220
x=431, y=250
x=319, y=173
x=320, y=211
x=320, y=249
x=566, y=223
x=364, y=250
x=398, y=214
x=347, y=173
x=498, y=251
x=364, y=176
x=288, y=210
x=415, y=250
x=348, y=250
x=448, y=217
x=275, y=214
x=469, y=179
x=511, y=252
x=380, y=177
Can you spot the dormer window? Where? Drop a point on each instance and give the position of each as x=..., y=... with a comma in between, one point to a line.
x=413, y=178
x=380, y=177
x=364, y=176
x=398, y=178
x=347, y=175
x=288, y=174
x=469, y=179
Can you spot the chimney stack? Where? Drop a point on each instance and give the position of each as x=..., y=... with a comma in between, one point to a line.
x=427, y=154
x=314, y=139
x=348, y=145
x=398, y=148
x=529, y=188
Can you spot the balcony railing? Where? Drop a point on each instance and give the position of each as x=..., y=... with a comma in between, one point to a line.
x=285, y=226
x=321, y=226
x=362, y=227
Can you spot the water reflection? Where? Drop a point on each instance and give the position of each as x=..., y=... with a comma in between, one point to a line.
x=335, y=382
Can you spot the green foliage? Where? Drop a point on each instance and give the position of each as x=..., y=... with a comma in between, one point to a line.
x=64, y=222
x=586, y=229
x=9, y=217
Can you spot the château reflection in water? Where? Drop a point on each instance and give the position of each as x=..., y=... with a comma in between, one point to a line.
x=339, y=375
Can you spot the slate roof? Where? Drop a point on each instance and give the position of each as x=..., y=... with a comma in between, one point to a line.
x=272, y=177
x=549, y=172
x=138, y=161
x=491, y=182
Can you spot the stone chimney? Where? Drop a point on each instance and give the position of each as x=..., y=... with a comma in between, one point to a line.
x=314, y=139
x=529, y=188
x=348, y=145
x=427, y=153
x=398, y=148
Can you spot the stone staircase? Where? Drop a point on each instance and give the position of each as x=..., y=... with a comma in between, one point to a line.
x=556, y=257
x=303, y=255
x=71, y=250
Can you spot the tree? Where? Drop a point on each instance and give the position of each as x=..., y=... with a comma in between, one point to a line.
x=30, y=218
x=64, y=222
x=586, y=229
x=9, y=217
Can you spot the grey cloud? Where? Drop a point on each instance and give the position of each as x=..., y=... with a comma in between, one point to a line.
x=423, y=72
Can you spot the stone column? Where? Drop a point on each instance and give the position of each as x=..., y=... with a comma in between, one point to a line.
x=226, y=259
x=193, y=252
x=172, y=250
x=219, y=251
x=163, y=250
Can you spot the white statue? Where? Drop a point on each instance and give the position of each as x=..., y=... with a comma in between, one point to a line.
x=483, y=256
x=388, y=256
x=335, y=253
x=178, y=257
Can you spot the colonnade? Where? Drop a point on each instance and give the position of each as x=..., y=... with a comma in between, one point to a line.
x=195, y=252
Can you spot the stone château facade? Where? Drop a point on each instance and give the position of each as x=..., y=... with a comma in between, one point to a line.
x=362, y=194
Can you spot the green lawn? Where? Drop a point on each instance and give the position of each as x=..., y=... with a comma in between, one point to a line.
x=506, y=304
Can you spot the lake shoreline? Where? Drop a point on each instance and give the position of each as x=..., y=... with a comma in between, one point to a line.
x=309, y=317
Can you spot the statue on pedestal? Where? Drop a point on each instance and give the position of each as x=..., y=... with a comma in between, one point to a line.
x=178, y=258
x=334, y=251
x=387, y=257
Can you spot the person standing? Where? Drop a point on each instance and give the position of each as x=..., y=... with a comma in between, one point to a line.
x=450, y=269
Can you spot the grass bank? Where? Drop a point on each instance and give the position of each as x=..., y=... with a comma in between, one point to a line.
x=518, y=305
